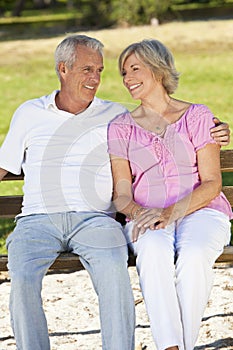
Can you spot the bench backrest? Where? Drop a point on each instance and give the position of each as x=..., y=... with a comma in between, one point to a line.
x=10, y=205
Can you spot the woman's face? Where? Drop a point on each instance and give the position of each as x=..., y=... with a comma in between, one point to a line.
x=138, y=78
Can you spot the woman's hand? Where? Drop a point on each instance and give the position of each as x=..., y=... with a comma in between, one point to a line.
x=220, y=132
x=154, y=218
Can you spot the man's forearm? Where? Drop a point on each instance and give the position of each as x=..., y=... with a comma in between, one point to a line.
x=3, y=173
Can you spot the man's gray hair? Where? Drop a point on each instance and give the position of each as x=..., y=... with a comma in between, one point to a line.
x=66, y=50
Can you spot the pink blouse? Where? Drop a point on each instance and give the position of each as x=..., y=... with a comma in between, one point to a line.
x=165, y=169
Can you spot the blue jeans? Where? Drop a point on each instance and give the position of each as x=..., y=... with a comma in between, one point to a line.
x=98, y=239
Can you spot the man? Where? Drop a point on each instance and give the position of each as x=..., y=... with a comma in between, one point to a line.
x=60, y=142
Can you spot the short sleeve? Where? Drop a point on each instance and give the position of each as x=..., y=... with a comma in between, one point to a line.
x=13, y=147
x=118, y=137
x=200, y=121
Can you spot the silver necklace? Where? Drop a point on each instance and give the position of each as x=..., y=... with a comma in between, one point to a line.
x=160, y=130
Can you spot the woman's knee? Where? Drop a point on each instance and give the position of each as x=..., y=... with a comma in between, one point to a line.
x=155, y=245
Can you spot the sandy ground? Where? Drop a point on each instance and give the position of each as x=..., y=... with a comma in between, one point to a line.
x=72, y=313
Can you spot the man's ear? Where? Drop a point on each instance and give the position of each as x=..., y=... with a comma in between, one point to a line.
x=62, y=68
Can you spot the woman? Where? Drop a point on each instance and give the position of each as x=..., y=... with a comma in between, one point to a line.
x=167, y=181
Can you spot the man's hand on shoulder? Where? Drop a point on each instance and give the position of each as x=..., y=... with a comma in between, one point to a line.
x=220, y=132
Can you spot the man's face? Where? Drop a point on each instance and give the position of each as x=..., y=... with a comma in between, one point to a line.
x=82, y=80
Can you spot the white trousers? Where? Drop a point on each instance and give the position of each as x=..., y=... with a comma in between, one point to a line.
x=176, y=275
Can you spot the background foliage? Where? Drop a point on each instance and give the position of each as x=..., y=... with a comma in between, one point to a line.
x=104, y=13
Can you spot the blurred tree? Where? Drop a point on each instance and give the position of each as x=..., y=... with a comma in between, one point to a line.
x=40, y=4
x=101, y=13
x=127, y=12
x=19, y=5
x=140, y=11
x=18, y=8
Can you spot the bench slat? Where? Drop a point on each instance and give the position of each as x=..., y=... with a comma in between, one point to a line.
x=10, y=206
x=226, y=159
x=13, y=177
x=71, y=262
x=228, y=191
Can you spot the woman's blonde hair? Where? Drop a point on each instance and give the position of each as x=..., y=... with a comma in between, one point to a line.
x=158, y=58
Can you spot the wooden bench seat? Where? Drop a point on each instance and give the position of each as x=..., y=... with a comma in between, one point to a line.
x=10, y=206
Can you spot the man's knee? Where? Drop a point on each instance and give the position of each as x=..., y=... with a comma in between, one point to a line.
x=24, y=279
x=113, y=262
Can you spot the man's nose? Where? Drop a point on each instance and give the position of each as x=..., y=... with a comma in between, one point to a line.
x=95, y=76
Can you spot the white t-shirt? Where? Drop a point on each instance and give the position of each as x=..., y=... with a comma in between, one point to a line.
x=64, y=156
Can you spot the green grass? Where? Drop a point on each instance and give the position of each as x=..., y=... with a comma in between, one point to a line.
x=6, y=225
x=207, y=80
x=204, y=57
x=181, y=5
x=50, y=16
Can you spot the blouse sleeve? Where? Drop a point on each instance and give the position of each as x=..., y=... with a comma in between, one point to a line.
x=118, y=137
x=200, y=123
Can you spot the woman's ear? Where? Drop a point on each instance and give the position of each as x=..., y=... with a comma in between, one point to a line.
x=159, y=78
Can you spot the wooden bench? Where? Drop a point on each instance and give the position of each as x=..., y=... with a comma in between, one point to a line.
x=11, y=205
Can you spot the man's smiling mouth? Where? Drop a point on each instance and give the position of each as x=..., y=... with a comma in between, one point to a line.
x=89, y=87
